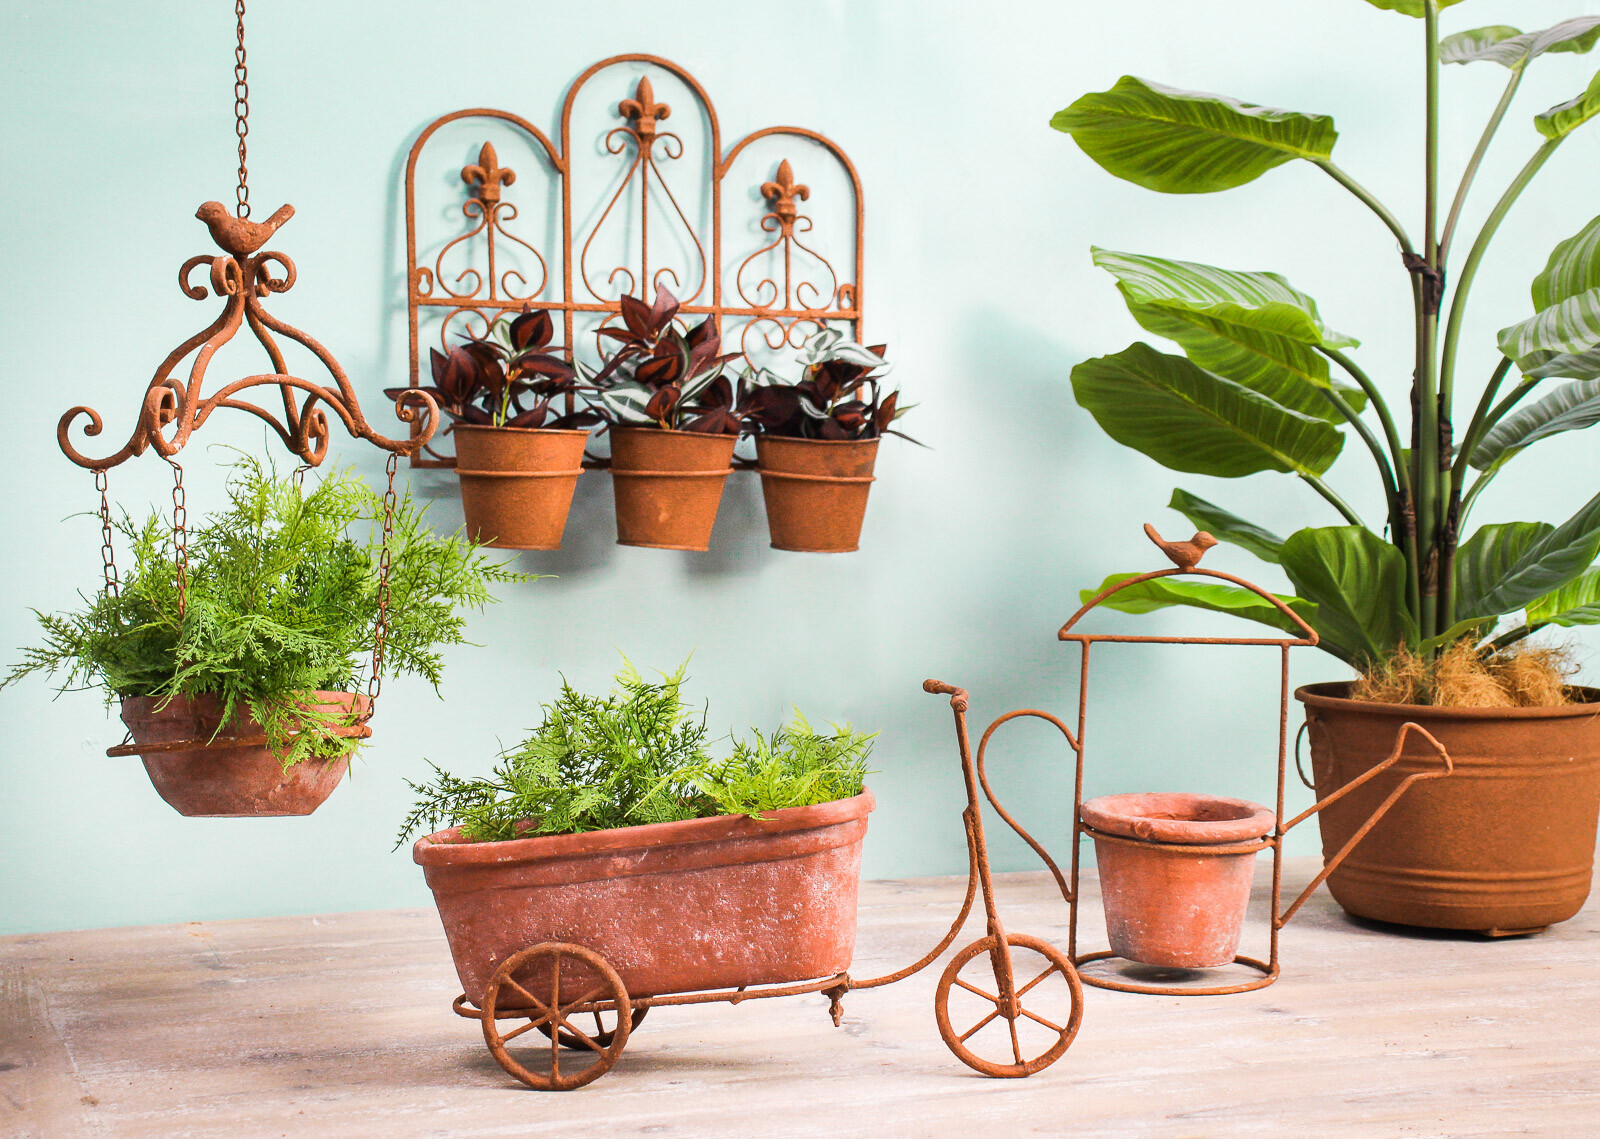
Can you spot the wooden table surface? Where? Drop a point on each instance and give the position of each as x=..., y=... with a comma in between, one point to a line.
x=340, y=1025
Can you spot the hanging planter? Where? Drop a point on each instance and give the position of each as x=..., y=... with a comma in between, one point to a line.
x=668, y=485
x=1175, y=873
x=228, y=769
x=519, y=431
x=672, y=422
x=517, y=483
x=817, y=442
x=1506, y=848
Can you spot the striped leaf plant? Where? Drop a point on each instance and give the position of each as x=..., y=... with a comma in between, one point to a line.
x=1264, y=384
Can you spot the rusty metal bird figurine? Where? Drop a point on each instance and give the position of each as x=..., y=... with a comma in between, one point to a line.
x=240, y=236
x=1184, y=555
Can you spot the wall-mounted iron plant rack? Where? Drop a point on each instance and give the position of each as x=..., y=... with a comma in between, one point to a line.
x=625, y=209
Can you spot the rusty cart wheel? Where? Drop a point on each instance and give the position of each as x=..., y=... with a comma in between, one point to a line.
x=1010, y=1004
x=549, y=985
x=601, y=1034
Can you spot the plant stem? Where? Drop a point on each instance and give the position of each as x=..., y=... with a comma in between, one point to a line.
x=1379, y=405
x=1477, y=488
x=1471, y=172
x=1514, y=635
x=1429, y=406
x=1478, y=427
x=1339, y=504
x=1372, y=202
x=1390, y=491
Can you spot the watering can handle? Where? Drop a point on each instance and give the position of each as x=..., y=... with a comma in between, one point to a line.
x=1332, y=864
x=958, y=696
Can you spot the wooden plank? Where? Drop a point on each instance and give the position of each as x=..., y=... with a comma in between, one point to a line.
x=340, y=1026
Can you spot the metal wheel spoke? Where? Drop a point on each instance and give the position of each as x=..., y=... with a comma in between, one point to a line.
x=980, y=1024
x=990, y=997
x=506, y=1037
x=588, y=1042
x=1041, y=1020
x=1036, y=980
x=533, y=1001
x=556, y=1017
x=1016, y=1047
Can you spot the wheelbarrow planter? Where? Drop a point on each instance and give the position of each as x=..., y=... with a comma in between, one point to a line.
x=517, y=483
x=673, y=907
x=205, y=768
x=1507, y=846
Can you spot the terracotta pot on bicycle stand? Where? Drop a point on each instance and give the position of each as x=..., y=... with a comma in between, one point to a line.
x=517, y=483
x=815, y=491
x=668, y=485
x=1175, y=871
x=211, y=781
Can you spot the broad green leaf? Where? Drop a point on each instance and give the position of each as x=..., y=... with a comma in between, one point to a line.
x=1583, y=365
x=1549, y=563
x=1564, y=118
x=1357, y=581
x=1479, y=43
x=1475, y=627
x=1565, y=328
x=1576, y=603
x=1226, y=526
x=1187, y=419
x=1253, y=328
x=1189, y=142
x=1409, y=7
x=1516, y=50
x=1219, y=597
x=1571, y=407
x=1573, y=268
x=1483, y=560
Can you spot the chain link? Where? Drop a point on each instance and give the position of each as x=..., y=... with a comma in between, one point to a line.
x=241, y=110
x=180, y=535
x=381, y=630
x=108, y=553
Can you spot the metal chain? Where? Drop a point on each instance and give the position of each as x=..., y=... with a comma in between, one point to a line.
x=108, y=554
x=381, y=630
x=180, y=535
x=241, y=110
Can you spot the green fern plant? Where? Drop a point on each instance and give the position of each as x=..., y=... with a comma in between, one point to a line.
x=282, y=597
x=636, y=755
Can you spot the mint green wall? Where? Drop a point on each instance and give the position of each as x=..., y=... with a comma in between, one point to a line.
x=116, y=125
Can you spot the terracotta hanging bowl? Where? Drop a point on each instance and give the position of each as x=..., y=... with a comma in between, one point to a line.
x=1175, y=873
x=668, y=485
x=1506, y=845
x=212, y=781
x=517, y=483
x=672, y=907
x=815, y=491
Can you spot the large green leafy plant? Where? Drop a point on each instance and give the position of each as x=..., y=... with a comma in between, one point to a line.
x=1265, y=385
x=282, y=597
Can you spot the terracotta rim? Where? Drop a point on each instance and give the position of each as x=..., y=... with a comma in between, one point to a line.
x=764, y=437
x=518, y=430
x=444, y=849
x=1333, y=694
x=1169, y=816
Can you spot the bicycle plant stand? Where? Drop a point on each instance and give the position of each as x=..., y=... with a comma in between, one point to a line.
x=1185, y=557
x=529, y=985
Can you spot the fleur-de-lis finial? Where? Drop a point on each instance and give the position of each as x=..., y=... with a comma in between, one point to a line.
x=643, y=109
x=488, y=175
x=782, y=192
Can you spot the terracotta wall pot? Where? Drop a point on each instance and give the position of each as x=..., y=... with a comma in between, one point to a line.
x=1175, y=873
x=816, y=491
x=1505, y=844
x=668, y=485
x=230, y=782
x=673, y=907
x=517, y=483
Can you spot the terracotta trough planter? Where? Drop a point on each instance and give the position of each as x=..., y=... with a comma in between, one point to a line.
x=230, y=782
x=815, y=491
x=517, y=483
x=1506, y=845
x=668, y=485
x=672, y=907
x=1175, y=873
